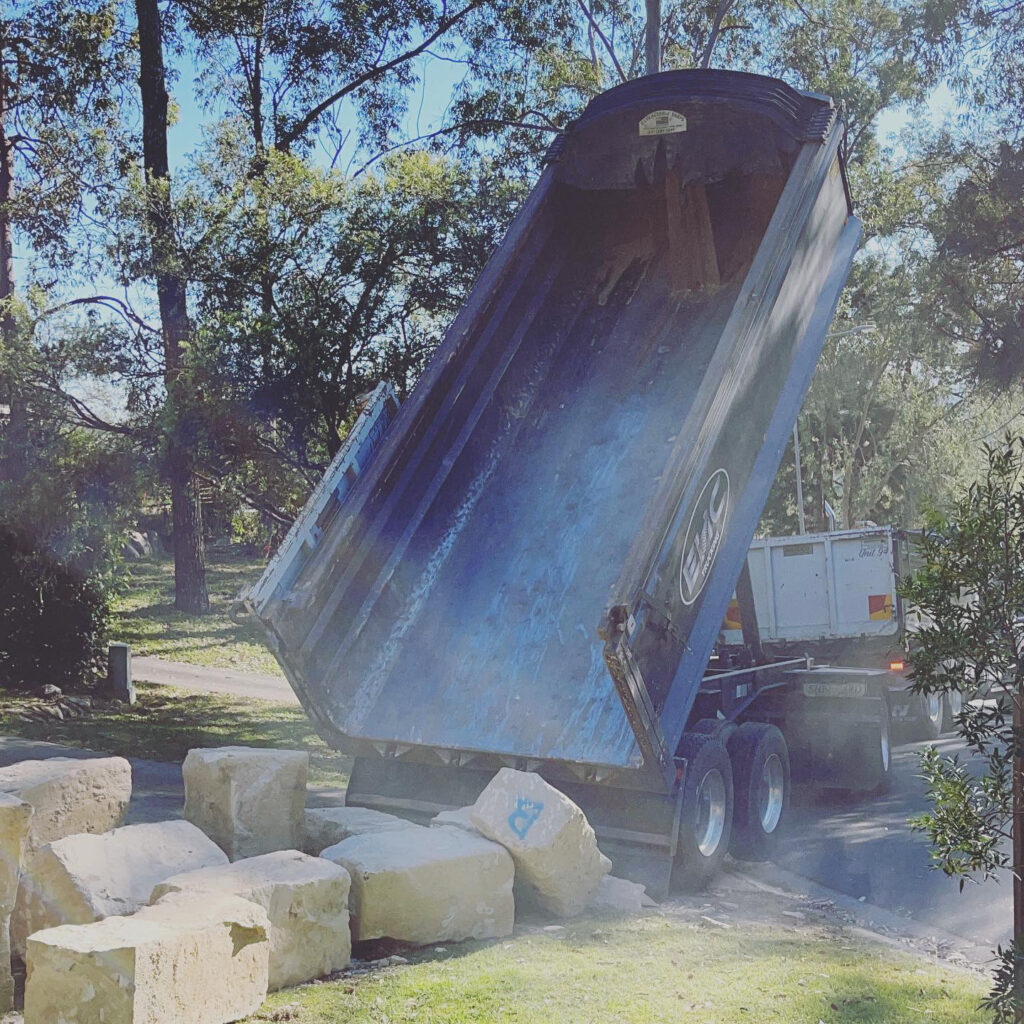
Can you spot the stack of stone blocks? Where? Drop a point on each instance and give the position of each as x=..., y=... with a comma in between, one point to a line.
x=196, y=919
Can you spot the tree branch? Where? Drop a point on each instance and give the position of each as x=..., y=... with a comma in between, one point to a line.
x=285, y=141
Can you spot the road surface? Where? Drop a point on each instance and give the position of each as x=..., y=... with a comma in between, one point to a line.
x=212, y=680
x=862, y=847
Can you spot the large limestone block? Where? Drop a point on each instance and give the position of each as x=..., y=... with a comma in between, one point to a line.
x=455, y=818
x=187, y=960
x=68, y=796
x=83, y=878
x=326, y=826
x=425, y=885
x=306, y=900
x=15, y=818
x=248, y=800
x=549, y=837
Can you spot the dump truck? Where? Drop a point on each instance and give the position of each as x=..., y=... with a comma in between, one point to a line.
x=835, y=596
x=527, y=562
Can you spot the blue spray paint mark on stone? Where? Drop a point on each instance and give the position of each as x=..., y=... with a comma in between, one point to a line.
x=523, y=817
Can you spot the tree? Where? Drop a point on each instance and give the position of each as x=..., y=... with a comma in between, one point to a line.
x=58, y=78
x=979, y=279
x=970, y=589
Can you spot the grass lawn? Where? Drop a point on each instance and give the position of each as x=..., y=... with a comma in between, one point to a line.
x=146, y=618
x=165, y=723
x=659, y=967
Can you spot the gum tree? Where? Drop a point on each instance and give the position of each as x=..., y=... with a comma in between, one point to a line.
x=970, y=590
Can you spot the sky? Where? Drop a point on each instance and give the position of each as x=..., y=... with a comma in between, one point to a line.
x=426, y=112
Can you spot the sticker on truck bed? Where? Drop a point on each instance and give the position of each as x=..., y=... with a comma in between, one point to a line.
x=880, y=607
x=662, y=122
x=703, y=536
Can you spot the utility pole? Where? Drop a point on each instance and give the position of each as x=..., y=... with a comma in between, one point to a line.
x=799, y=480
x=653, y=37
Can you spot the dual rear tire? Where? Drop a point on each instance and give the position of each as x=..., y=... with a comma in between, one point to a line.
x=735, y=796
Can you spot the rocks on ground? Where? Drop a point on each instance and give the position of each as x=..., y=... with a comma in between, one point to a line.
x=15, y=816
x=457, y=818
x=83, y=878
x=197, y=959
x=306, y=900
x=248, y=800
x=423, y=885
x=552, y=843
x=68, y=796
x=325, y=826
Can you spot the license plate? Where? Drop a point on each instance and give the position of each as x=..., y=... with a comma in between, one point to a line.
x=835, y=689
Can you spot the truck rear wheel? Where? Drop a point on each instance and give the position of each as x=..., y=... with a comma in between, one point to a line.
x=705, y=824
x=720, y=728
x=760, y=764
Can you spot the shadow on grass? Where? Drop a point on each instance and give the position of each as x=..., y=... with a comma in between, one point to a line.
x=166, y=723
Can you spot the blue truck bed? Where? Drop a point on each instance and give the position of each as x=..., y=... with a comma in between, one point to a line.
x=533, y=567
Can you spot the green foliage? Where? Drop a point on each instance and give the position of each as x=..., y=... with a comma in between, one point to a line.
x=970, y=591
x=53, y=618
x=979, y=283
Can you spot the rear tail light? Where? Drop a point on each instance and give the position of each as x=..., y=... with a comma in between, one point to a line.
x=896, y=666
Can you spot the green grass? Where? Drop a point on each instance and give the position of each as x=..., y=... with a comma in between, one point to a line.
x=146, y=618
x=657, y=968
x=165, y=723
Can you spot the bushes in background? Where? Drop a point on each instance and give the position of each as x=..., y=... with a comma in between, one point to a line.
x=53, y=617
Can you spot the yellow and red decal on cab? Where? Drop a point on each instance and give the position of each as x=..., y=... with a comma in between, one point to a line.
x=880, y=606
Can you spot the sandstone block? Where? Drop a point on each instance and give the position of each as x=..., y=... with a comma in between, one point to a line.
x=86, y=877
x=457, y=818
x=187, y=960
x=326, y=826
x=619, y=896
x=248, y=800
x=549, y=838
x=68, y=796
x=15, y=818
x=306, y=900
x=425, y=885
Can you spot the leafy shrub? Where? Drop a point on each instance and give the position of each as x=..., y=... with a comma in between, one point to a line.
x=53, y=618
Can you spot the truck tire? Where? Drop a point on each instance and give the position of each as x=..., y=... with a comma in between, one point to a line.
x=705, y=824
x=761, y=781
x=929, y=717
x=952, y=704
x=717, y=727
x=871, y=769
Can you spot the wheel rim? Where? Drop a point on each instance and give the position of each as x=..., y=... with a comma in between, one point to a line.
x=933, y=708
x=710, y=812
x=885, y=740
x=771, y=793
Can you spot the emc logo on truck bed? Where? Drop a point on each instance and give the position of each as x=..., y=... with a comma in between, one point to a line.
x=703, y=535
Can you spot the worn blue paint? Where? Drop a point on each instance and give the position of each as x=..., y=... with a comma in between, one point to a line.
x=511, y=505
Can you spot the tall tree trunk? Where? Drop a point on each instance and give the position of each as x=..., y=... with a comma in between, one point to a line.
x=190, y=594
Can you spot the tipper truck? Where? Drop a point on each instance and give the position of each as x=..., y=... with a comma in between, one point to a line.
x=528, y=561
x=836, y=597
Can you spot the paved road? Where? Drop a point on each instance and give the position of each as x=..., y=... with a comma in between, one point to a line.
x=862, y=846
x=212, y=680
